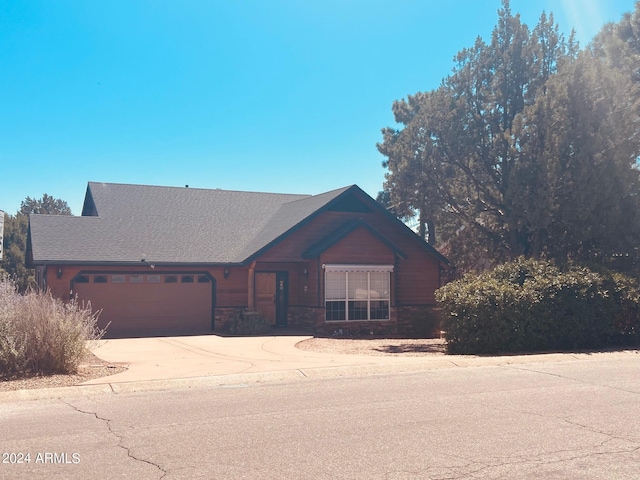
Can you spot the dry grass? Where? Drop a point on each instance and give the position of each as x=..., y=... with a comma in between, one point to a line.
x=40, y=334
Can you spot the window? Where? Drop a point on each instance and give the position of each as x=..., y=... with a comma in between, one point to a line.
x=118, y=278
x=357, y=292
x=171, y=279
x=187, y=278
x=203, y=279
x=136, y=279
x=153, y=278
x=99, y=279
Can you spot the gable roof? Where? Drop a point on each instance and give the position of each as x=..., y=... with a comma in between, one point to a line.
x=128, y=223
x=125, y=224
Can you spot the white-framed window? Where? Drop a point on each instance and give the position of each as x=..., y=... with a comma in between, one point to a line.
x=357, y=292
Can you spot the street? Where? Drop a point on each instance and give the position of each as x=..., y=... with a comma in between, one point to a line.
x=551, y=420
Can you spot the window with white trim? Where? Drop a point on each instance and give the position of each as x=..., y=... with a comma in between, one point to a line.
x=357, y=292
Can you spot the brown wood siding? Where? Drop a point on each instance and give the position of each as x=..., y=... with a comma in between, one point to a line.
x=233, y=290
x=308, y=284
x=417, y=279
x=360, y=247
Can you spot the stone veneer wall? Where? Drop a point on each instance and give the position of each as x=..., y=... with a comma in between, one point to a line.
x=411, y=321
x=306, y=318
x=312, y=318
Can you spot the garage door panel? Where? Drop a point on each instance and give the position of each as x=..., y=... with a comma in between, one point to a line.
x=149, y=308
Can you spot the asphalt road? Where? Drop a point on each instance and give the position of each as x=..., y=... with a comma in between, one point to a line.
x=563, y=420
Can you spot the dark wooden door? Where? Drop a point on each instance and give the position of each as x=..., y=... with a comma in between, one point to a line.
x=272, y=297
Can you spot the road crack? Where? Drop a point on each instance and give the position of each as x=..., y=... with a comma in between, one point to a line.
x=577, y=380
x=119, y=437
x=606, y=446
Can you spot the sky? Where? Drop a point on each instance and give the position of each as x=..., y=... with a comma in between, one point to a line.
x=285, y=96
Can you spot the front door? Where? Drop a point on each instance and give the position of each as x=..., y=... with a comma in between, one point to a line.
x=271, y=297
x=266, y=296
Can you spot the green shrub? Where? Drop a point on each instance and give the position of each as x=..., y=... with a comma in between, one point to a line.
x=42, y=334
x=626, y=321
x=532, y=305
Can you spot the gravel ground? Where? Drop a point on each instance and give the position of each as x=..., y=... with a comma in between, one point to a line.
x=91, y=367
x=399, y=347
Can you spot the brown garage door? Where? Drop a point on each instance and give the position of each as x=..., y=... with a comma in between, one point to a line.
x=157, y=304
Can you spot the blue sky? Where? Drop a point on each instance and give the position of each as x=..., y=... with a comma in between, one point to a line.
x=263, y=95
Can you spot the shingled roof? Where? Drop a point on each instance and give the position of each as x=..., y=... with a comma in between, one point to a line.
x=127, y=223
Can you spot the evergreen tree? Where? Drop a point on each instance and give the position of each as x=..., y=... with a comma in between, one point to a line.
x=527, y=148
x=46, y=205
x=15, y=237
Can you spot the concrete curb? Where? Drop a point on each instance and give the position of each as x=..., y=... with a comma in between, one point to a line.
x=211, y=381
x=58, y=392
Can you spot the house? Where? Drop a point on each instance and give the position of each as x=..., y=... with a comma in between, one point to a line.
x=165, y=260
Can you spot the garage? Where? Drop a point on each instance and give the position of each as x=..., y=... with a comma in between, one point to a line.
x=161, y=303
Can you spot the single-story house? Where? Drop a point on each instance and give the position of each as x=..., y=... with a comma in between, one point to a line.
x=163, y=260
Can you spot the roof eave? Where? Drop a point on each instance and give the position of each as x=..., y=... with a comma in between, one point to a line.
x=133, y=263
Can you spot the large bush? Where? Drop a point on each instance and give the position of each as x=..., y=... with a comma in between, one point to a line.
x=532, y=305
x=41, y=334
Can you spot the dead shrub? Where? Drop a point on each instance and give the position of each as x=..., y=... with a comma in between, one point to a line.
x=40, y=334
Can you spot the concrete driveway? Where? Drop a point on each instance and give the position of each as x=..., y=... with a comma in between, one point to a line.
x=164, y=358
x=152, y=362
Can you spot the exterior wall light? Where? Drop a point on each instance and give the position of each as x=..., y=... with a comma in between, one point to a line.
x=59, y=273
x=226, y=273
